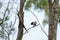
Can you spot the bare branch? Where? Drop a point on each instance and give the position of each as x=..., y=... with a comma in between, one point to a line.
x=5, y=12
x=32, y=27
x=38, y=24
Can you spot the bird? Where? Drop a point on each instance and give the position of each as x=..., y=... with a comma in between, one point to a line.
x=34, y=23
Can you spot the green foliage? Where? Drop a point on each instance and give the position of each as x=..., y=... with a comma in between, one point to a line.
x=1, y=21
x=45, y=21
x=28, y=4
x=38, y=4
x=5, y=27
x=1, y=32
x=59, y=10
x=59, y=13
x=41, y=4
x=12, y=29
x=6, y=18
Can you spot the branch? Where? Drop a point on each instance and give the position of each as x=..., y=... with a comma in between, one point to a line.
x=23, y=24
x=38, y=24
x=32, y=27
x=5, y=12
x=34, y=15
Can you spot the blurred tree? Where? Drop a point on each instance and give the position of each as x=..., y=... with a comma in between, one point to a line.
x=53, y=19
x=39, y=4
x=52, y=13
x=21, y=19
x=6, y=28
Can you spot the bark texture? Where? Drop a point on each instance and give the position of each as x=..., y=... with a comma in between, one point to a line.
x=53, y=19
x=21, y=19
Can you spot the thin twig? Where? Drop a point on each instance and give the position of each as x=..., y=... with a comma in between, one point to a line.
x=32, y=27
x=39, y=23
x=5, y=12
x=12, y=25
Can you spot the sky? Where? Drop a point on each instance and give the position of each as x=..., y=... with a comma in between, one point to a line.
x=34, y=33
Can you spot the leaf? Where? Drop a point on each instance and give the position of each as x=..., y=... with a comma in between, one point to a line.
x=1, y=32
x=6, y=18
x=2, y=25
x=1, y=21
x=28, y=4
x=41, y=4
x=45, y=21
x=12, y=29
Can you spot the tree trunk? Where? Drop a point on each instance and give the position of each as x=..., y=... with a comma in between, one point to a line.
x=53, y=20
x=20, y=15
